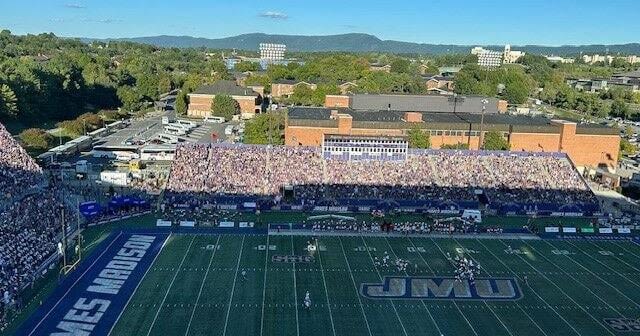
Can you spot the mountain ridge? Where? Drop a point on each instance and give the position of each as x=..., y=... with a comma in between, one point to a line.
x=358, y=42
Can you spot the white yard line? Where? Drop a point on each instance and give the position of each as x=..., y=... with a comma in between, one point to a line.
x=264, y=284
x=75, y=282
x=631, y=253
x=610, y=268
x=193, y=312
x=534, y=292
x=421, y=301
x=381, y=279
x=576, y=280
x=138, y=285
x=295, y=290
x=233, y=288
x=454, y=302
x=563, y=292
x=326, y=292
x=355, y=286
x=516, y=302
x=483, y=301
x=155, y=318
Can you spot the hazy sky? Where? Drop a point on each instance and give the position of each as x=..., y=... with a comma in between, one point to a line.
x=549, y=22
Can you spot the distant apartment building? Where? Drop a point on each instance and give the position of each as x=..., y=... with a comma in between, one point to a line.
x=493, y=59
x=607, y=59
x=632, y=59
x=487, y=58
x=272, y=51
x=558, y=59
x=592, y=59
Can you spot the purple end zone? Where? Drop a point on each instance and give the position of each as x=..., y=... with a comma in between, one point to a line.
x=90, y=300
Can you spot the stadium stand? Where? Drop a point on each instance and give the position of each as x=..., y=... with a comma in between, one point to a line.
x=18, y=171
x=505, y=181
x=29, y=226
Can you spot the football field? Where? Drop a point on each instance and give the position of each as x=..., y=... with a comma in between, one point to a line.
x=256, y=284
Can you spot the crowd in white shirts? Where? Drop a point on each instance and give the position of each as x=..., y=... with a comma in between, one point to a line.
x=29, y=225
x=18, y=171
x=439, y=176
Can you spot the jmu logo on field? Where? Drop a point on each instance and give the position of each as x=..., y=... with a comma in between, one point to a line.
x=443, y=288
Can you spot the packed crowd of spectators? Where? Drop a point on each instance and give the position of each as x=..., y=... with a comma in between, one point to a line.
x=456, y=226
x=29, y=225
x=18, y=171
x=30, y=229
x=439, y=176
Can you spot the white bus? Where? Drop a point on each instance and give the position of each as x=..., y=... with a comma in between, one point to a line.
x=186, y=123
x=126, y=156
x=214, y=120
x=168, y=138
x=157, y=153
x=174, y=130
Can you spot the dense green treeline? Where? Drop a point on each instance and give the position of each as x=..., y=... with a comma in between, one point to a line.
x=45, y=78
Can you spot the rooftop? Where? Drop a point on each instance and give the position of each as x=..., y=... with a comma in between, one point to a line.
x=631, y=74
x=289, y=81
x=309, y=116
x=423, y=103
x=225, y=87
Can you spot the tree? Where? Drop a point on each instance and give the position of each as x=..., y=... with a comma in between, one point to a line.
x=72, y=127
x=302, y=95
x=620, y=109
x=8, y=101
x=259, y=80
x=619, y=62
x=247, y=66
x=418, y=138
x=400, y=65
x=626, y=148
x=224, y=106
x=130, y=98
x=265, y=129
x=495, y=141
x=182, y=103
x=36, y=138
x=516, y=92
x=90, y=121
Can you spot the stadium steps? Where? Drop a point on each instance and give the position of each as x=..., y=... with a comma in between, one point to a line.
x=437, y=178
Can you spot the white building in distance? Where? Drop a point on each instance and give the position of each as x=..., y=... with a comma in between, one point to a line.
x=272, y=51
x=493, y=59
x=558, y=59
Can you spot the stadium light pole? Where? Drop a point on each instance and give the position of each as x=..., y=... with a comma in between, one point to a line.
x=64, y=237
x=481, y=138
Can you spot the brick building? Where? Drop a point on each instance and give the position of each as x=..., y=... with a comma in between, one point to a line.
x=200, y=100
x=586, y=144
x=283, y=88
x=439, y=82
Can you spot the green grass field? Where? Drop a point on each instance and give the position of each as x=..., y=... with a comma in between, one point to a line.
x=195, y=287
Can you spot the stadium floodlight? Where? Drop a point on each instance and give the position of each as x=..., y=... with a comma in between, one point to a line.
x=484, y=102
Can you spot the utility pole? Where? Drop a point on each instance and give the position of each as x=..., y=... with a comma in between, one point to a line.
x=64, y=237
x=481, y=137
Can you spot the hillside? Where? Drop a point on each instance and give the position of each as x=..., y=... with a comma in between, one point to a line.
x=359, y=43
